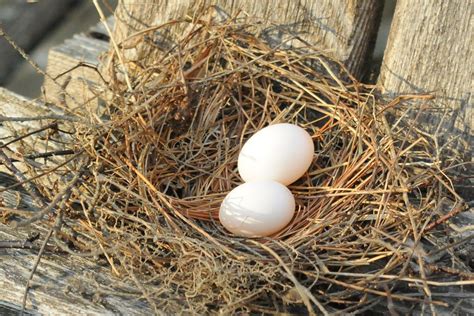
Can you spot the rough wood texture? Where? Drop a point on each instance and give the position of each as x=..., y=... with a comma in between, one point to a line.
x=429, y=50
x=26, y=23
x=347, y=29
x=12, y=105
x=62, y=285
x=74, y=62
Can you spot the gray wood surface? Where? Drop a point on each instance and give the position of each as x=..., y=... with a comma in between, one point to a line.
x=62, y=285
x=13, y=105
x=344, y=28
x=72, y=64
x=26, y=22
x=430, y=50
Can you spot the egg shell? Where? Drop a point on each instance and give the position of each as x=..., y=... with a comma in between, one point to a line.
x=279, y=152
x=257, y=208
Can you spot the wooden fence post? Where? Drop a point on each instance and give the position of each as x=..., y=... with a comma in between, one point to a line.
x=347, y=29
x=429, y=50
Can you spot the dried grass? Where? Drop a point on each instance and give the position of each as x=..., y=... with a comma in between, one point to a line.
x=159, y=161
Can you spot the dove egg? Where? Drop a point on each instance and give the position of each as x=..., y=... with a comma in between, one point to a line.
x=257, y=208
x=280, y=152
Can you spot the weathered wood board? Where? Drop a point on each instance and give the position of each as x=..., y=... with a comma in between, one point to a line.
x=73, y=65
x=12, y=105
x=26, y=22
x=430, y=50
x=346, y=29
x=62, y=285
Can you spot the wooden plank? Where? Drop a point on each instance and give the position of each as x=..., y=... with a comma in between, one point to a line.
x=8, y=309
x=26, y=23
x=12, y=105
x=429, y=50
x=73, y=63
x=15, y=106
x=346, y=29
x=63, y=285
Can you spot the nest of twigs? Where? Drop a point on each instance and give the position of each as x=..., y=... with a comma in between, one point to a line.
x=159, y=161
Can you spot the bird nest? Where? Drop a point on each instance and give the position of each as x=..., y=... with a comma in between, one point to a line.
x=151, y=170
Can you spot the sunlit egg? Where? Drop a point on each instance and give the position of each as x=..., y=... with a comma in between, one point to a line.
x=280, y=152
x=257, y=208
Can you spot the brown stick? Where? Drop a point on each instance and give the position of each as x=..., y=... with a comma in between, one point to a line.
x=455, y=211
x=29, y=187
x=52, y=126
x=35, y=266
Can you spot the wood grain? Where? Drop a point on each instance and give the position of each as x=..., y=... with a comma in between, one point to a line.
x=429, y=50
x=62, y=285
x=72, y=64
x=346, y=29
x=13, y=105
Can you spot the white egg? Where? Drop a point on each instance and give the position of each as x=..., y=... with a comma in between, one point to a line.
x=280, y=152
x=259, y=208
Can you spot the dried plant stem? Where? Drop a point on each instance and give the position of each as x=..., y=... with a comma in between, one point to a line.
x=35, y=266
x=114, y=43
x=455, y=211
x=29, y=187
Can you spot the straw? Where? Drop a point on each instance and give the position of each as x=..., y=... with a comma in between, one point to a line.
x=164, y=157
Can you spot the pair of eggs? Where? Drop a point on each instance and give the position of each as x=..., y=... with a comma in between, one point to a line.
x=273, y=158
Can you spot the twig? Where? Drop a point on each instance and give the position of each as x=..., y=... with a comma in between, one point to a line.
x=29, y=187
x=35, y=266
x=455, y=211
x=16, y=244
x=114, y=43
x=51, y=153
x=453, y=271
x=38, y=118
x=35, y=66
x=49, y=126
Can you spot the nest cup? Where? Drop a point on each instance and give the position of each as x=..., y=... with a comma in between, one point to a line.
x=162, y=157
